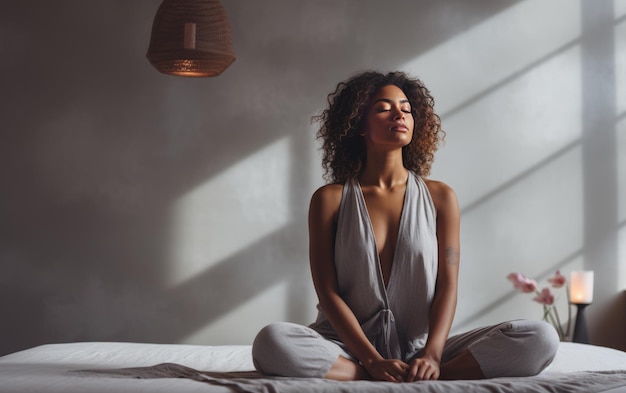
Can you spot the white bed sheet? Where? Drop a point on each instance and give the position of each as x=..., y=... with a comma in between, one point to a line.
x=52, y=368
x=573, y=357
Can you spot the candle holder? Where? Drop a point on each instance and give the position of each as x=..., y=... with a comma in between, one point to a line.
x=581, y=295
x=581, y=334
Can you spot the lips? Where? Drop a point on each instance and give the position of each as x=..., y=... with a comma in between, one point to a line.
x=399, y=128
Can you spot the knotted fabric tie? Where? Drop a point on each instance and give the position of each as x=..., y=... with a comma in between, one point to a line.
x=388, y=340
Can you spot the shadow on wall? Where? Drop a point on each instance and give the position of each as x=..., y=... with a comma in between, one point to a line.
x=98, y=148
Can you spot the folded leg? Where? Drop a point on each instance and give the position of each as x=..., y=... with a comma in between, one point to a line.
x=510, y=349
x=292, y=350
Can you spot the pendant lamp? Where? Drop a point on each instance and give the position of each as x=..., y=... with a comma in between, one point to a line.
x=191, y=38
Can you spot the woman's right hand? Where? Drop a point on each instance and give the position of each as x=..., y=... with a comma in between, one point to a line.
x=390, y=370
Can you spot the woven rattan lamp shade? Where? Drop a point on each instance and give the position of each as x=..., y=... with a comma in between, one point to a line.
x=191, y=38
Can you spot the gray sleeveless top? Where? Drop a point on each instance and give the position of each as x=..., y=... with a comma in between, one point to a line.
x=394, y=318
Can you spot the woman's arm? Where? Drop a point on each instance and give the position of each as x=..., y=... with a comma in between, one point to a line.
x=444, y=303
x=322, y=228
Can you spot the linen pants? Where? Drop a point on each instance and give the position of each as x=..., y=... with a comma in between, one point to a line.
x=509, y=349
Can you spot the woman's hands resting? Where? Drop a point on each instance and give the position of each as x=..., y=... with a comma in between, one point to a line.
x=423, y=369
x=393, y=370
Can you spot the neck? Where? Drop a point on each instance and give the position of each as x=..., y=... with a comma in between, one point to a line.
x=384, y=170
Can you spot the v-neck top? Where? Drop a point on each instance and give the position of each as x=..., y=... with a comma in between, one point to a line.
x=394, y=318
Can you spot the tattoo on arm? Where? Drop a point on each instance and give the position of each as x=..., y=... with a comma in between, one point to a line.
x=452, y=256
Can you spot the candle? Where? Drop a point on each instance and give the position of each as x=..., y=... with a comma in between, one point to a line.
x=581, y=287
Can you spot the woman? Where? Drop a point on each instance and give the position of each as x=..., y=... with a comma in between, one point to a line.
x=384, y=255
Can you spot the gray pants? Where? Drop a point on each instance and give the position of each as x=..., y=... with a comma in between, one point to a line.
x=510, y=349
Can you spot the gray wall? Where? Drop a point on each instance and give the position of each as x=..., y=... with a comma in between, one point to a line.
x=136, y=206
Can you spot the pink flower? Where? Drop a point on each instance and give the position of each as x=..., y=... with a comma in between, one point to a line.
x=558, y=280
x=545, y=297
x=522, y=283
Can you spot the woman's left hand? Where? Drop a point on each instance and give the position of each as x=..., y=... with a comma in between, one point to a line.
x=423, y=369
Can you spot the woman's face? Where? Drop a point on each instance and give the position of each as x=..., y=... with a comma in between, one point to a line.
x=389, y=121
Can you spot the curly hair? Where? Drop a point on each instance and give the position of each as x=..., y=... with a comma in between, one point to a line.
x=344, y=153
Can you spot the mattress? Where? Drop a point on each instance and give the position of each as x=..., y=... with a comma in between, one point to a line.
x=95, y=367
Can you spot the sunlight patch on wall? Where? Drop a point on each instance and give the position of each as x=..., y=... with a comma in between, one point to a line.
x=240, y=326
x=470, y=63
x=521, y=112
x=531, y=227
x=513, y=129
x=231, y=211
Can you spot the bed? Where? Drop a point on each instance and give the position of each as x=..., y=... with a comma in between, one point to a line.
x=98, y=367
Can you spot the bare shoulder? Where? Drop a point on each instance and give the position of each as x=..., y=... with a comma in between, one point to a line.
x=326, y=199
x=443, y=195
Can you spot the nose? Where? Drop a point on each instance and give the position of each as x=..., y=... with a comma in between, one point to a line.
x=398, y=114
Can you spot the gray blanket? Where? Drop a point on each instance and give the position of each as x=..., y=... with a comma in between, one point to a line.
x=583, y=382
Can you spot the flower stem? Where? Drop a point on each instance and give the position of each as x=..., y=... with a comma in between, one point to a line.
x=558, y=320
x=556, y=326
x=551, y=320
